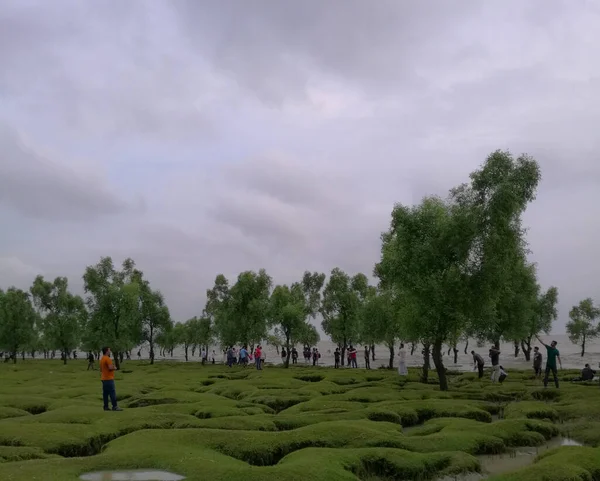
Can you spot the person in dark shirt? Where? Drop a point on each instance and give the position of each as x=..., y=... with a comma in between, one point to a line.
x=587, y=373
x=478, y=363
x=552, y=355
x=537, y=362
x=336, y=357
x=294, y=356
x=367, y=360
x=495, y=357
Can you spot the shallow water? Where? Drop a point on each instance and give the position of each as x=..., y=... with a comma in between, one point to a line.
x=516, y=459
x=132, y=475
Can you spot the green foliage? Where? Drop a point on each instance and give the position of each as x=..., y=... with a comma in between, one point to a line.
x=154, y=314
x=17, y=320
x=582, y=326
x=64, y=315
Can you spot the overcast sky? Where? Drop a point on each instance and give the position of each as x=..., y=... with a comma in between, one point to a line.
x=201, y=137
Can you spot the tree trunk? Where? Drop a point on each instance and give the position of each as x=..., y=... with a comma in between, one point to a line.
x=583, y=346
x=373, y=351
x=65, y=357
x=412, y=348
x=526, y=348
x=392, y=354
x=439, y=365
x=117, y=361
x=288, y=352
x=517, y=348
x=449, y=350
x=185, y=348
x=14, y=356
x=121, y=356
x=23, y=355
x=455, y=355
x=343, y=353
x=425, y=371
x=466, y=346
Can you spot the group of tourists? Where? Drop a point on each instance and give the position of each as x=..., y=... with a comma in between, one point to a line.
x=243, y=356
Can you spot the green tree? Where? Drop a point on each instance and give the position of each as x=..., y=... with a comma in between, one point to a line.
x=17, y=320
x=424, y=256
x=113, y=300
x=201, y=334
x=543, y=315
x=287, y=312
x=343, y=297
x=582, y=327
x=496, y=198
x=154, y=314
x=308, y=335
x=182, y=335
x=216, y=312
x=63, y=315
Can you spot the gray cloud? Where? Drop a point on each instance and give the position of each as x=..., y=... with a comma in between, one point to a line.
x=280, y=134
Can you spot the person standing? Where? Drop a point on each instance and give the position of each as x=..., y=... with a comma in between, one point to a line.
x=107, y=375
x=257, y=358
x=244, y=356
x=478, y=363
x=294, y=355
x=336, y=358
x=495, y=357
x=367, y=361
x=90, y=360
x=552, y=355
x=537, y=362
x=402, y=369
x=204, y=356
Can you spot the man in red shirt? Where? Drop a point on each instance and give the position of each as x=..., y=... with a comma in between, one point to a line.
x=107, y=375
x=257, y=358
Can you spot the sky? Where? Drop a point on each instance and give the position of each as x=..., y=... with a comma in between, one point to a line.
x=202, y=137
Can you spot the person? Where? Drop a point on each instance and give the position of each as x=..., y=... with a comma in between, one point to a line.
x=587, y=373
x=353, y=357
x=502, y=376
x=552, y=355
x=230, y=356
x=204, y=356
x=244, y=356
x=402, y=370
x=283, y=355
x=495, y=357
x=367, y=361
x=90, y=359
x=537, y=362
x=257, y=358
x=336, y=358
x=478, y=363
x=314, y=356
x=139, y=354
x=294, y=355
x=213, y=356
x=107, y=375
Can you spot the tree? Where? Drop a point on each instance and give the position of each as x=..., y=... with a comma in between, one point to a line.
x=309, y=336
x=380, y=321
x=17, y=320
x=154, y=314
x=341, y=307
x=63, y=315
x=582, y=327
x=200, y=332
x=288, y=313
x=543, y=315
x=425, y=258
x=215, y=311
x=496, y=198
x=114, y=304
x=182, y=335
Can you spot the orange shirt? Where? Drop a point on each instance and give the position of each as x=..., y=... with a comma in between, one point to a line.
x=105, y=373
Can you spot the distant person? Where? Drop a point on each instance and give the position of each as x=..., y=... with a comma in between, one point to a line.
x=294, y=355
x=367, y=361
x=204, y=356
x=587, y=373
x=244, y=356
x=213, y=356
x=107, y=375
x=139, y=354
x=353, y=357
x=502, y=376
x=402, y=369
x=90, y=360
x=257, y=358
x=336, y=358
x=552, y=355
x=495, y=358
x=537, y=362
x=229, y=356
x=314, y=356
x=478, y=363
x=283, y=354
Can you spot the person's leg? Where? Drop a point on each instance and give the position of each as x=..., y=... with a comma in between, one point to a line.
x=547, y=373
x=105, y=394
x=480, y=370
x=555, y=375
x=113, y=394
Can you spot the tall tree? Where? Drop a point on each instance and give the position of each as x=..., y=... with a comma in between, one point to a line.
x=309, y=336
x=216, y=311
x=200, y=332
x=154, y=314
x=17, y=320
x=63, y=314
x=288, y=313
x=114, y=304
x=424, y=256
x=582, y=327
x=543, y=315
x=183, y=335
x=343, y=297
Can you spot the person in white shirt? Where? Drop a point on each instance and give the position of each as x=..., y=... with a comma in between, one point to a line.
x=402, y=369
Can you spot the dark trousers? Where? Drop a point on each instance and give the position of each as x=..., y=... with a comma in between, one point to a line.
x=538, y=370
x=367, y=363
x=108, y=390
x=554, y=374
x=258, y=363
x=480, y=370
x=337, y=364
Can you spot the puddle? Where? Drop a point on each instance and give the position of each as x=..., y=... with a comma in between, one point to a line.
x=132, y=475
x=511, y=461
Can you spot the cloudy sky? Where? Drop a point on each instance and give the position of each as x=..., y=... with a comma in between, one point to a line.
x=201, y=137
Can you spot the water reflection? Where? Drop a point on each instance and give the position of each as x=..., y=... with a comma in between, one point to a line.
x=131, y=475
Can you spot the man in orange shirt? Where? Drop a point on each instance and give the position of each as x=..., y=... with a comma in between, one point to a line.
x=107, y=375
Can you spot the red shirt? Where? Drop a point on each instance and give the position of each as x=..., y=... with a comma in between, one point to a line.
x=257, y=353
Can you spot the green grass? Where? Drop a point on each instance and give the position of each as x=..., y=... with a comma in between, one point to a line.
x=285, y=425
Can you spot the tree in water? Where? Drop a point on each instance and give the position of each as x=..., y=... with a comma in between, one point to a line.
x=542, y=316
x=582, y=327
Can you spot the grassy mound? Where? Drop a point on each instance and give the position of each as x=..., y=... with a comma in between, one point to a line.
x=285, y=425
